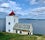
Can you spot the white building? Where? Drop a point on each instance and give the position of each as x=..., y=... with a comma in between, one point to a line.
x=13, y=26
x=23, y=28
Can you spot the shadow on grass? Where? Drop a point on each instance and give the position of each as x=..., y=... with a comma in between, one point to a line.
x=2, y=34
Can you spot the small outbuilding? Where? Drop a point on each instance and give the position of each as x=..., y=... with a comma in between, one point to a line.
x=23, y=29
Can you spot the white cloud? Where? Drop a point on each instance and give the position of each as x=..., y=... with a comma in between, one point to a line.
x=29, y=13
x=12, y=6
x=37, y=11
x=5, y=5
x=32, y=2
x=42, y=1
x=1, y=9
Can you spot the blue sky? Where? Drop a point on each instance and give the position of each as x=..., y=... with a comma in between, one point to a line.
x=34, y=9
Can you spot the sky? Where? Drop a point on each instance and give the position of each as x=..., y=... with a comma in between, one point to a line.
x=33, y=9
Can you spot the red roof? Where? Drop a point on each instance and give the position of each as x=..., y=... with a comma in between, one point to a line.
x=12, y=13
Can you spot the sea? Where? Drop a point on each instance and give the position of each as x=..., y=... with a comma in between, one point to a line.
x=37, y=24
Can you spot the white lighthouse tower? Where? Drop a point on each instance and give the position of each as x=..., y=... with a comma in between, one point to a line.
x=11, y=20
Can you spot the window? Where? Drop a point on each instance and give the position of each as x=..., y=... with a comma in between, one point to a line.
x=28, y=33
x=9, y=30
x=16, y=31
x=20, y=32
x=9, y=23
x=14, y=20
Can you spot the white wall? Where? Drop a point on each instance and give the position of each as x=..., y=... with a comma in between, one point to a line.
x=31, y=29
x=18, y=31
x=12, y=23
x=24, y=32
x=14, y=31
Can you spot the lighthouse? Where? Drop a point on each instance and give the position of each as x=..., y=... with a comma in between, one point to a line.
x=11, y=20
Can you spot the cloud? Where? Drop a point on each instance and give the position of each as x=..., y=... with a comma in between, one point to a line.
x=1, y=9
x=29, y=13
x=37, y=11
x=5, y=5
x=2, y=1
x=11, y=5
x=32, y=2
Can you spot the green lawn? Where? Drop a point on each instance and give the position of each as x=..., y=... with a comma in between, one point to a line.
x=9, y=36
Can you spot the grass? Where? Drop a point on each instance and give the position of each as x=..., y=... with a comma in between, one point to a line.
x=9, y=36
